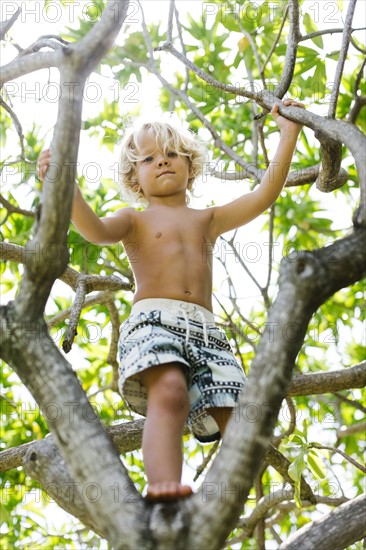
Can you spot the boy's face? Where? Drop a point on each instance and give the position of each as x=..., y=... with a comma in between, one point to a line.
x=161, y=175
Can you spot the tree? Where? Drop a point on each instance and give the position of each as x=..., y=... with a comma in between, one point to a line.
x=269, y=464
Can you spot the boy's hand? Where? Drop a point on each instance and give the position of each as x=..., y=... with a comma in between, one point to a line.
x=284, y=124
x=43, y=163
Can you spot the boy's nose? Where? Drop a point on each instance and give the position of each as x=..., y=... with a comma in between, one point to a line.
x=163, y=161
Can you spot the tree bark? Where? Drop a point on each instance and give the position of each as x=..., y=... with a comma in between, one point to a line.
x=334, y=531
x=305, y=282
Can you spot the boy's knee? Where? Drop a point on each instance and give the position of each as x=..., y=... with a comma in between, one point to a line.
x=170, y=390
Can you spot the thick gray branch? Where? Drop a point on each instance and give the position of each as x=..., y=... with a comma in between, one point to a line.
x=331, y=155
x=305, y=282
x=334, y=531
x=6, y=25
x=74, y=424
x=329, y=382
x=71, y=277
x=23, y=65
x=102, y=36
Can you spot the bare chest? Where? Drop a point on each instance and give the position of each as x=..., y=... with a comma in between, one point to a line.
x=172, y=232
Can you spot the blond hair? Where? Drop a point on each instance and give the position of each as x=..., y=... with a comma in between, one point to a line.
x=168, y=137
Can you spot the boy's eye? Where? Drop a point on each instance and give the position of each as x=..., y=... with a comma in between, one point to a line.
x=172, y=154
x=148, y=159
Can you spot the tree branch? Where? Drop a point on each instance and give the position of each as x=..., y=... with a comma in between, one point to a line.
x=329, y=382
x=345, y=455
x=23, y=65
x=74, y=317
x=343, y=526
x=6, y=25
x=70, y=276
x=304, y=284
x=291, y=50
x=18, y=126
x=342, y=59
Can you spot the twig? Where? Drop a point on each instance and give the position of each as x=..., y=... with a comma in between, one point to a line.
x=180, y=34
x=74, y=317
x=12, y=209
x=327, y=31
x=170, y=21
x=351, y=430
x=168, y=46
x=99, y=298
x=275, y=42
x=351, y=402
x=201, y=468
x=292, y=424
x=345, y=456
x=359, y=101
x=249, y=37
x=17, y=125
x=259, y=532
x=270, y=247
x=112, y=354
x=43, y=43
x=356, y=46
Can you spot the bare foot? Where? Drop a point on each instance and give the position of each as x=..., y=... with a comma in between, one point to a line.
x=165, y=491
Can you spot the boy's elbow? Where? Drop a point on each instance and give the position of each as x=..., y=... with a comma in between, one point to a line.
x=104, y=240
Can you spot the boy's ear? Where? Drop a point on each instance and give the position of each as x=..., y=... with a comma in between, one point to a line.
x=137, y=189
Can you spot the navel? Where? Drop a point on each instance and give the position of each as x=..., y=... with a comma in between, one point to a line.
x=158, y=235
x=187, y=292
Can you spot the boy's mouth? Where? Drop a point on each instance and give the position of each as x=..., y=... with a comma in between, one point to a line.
x=165, y=172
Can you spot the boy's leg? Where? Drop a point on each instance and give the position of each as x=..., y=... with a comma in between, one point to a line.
x=222, y=416
x=167, y=411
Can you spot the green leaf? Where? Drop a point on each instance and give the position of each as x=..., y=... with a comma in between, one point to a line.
x=316, y=464
x=297, y=439
x=295, y=472
x=310, y=27
x=320, y=74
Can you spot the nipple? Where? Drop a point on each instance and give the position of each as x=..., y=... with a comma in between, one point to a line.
x=158, y=235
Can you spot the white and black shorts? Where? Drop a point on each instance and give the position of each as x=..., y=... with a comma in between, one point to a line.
x=160, y=331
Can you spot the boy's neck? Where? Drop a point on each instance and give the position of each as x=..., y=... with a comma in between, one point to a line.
x=172, y=202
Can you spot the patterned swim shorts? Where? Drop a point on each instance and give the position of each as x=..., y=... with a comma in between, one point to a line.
x=162, y=331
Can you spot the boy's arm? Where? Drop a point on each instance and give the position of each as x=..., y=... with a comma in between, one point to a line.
x=104, y=231
x=249, y=206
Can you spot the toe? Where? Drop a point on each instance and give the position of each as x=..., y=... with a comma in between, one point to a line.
x=167, y=491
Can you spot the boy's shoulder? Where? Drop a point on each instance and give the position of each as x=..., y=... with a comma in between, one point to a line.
x=125, y=211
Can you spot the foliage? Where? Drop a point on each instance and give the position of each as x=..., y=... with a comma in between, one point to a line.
x=221, y=45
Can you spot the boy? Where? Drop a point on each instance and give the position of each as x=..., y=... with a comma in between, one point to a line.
x=174, y=362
